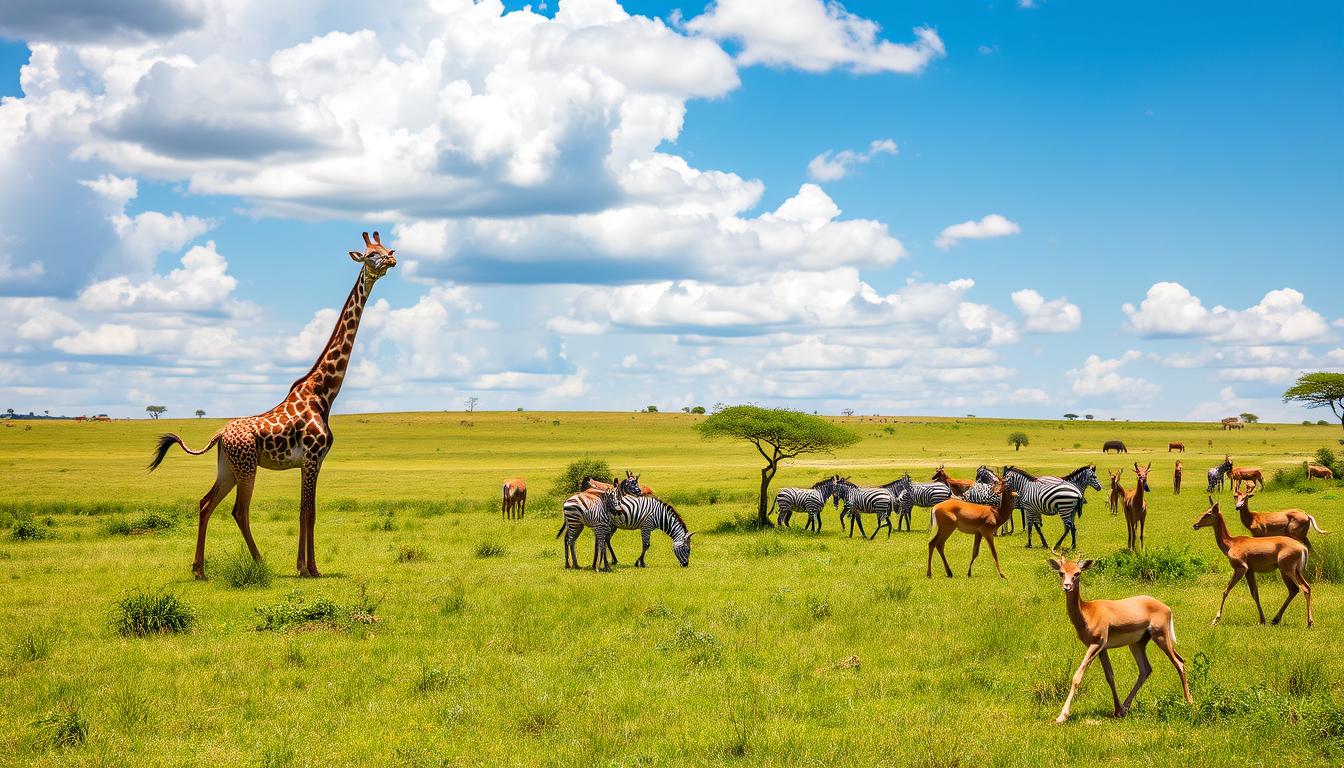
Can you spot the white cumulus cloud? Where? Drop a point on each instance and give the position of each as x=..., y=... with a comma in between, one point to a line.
x=833, y=166
x=1053, y=316
x=990, y=226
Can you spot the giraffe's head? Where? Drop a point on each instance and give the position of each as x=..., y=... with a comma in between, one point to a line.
x=376, y=258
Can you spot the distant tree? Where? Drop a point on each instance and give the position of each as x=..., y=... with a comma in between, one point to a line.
x=650, y=409
x=1018, y=439
x=778, y=435
x=1307, y=422
x=46, y=413
x=1322, y=423
x=719, y=407
x=698, y=409
x=1071, y=416
x=155, y=411
x=520, y=409
x=1089, y=417
x=471, y=404
x=1249, y=418
x=685, y=409
x=10, y=411
x=847, y=412
x=970, y=415
x=199, y=413
x=1319, y=390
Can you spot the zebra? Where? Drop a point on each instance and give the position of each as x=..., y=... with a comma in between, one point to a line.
x=880, y=501
x=983, y=493
x=1037, y=498
x=812, y=500
x=596, y=509
x=1081, y=478
x=1216, y=474
x=917, y=495
x=644, y=513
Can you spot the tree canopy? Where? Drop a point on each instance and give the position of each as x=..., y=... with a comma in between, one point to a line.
x=1319, y=390
x=778, y=434
x=1070, y=416
x=155, y=411
x=1018, y=439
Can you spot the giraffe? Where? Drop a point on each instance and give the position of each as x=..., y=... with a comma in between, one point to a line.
x=293, y=434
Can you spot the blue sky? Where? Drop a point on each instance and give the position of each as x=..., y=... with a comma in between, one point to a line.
x=603, y=206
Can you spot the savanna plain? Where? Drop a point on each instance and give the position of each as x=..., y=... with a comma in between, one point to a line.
x=441, y=634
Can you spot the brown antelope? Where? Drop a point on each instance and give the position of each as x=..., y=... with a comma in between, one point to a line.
x=515, y=498
x=1136, y=507
x=1117, y=490
x=1176, y=447
x=1250, y=555
x=1252, y=475
x=958, y=487
x=980, y=519
x=1176, y=479
x=1316, y=470
x=1105, y=624
x=1293, y=523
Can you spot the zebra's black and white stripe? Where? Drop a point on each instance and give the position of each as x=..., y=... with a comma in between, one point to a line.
x=858, y=501
x=916, y=495
x=1216, y=475
x=645, y=513
x=983, y=493
x=596, y=509
x=810, y=500
x=1081, y=478
x=1037, y=498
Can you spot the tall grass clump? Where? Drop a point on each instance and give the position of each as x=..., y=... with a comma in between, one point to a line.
x=489, y=549
x=29, y=529
x=145, y=612
x=33, y=645
x=153, y=521
x=412, y=553
x=571, y=479
x=63, y=729
x=1326, y=561
x=296, y=610
x=1156, y=564
x=240, y=571
x=453, y=601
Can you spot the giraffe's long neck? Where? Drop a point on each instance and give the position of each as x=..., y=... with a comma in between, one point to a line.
x=323, y=382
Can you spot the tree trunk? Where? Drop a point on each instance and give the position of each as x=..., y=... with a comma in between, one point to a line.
x=763, y=509
x=1017, y=446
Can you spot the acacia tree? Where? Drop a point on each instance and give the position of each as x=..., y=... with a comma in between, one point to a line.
x=1018, y=439
x=155, y=411
x=1319, y=390
x=199, y=413
x=1249, y=418
x=778, y=434
x=1070, y=416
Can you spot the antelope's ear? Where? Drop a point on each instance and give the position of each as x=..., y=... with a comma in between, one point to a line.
x=357, y=256
x=1055, y=565
x=1083, y=565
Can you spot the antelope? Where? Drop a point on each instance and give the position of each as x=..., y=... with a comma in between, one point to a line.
x=1293, y=523
x=515, y=498
x=1105, y=624
x=1316, y=470
x=1176, y=479
x=958, y=487
x=980, y=519
x=1250, y=555
x=1136, y=507
x=1252, y=475
x=1176, y=447
x=1117, y=490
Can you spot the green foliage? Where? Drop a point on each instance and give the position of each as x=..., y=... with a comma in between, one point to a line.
x=240, y=571
x=1156, y=564
x=489, y=549
x=1326, y=562
x=144, y=612
x=1071, y=416
x=434, y=679
x=789, y=433
x=29, y=529
x=453, y=601
x=894, y=590
x=1018, y=439
x=699, y=410
x=63, y=729
x=650, y=409
x=1249, y=418
x=33, y=645
x=1319, y=390
x=570, y=481
x=295, y=610
x=152, y=521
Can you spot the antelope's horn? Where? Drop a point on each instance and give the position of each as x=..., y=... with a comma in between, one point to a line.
x=376, y=239
x=367, y=244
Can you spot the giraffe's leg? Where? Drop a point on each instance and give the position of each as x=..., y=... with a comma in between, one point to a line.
x=242, y=506
x=308, y=517
x=224, y=482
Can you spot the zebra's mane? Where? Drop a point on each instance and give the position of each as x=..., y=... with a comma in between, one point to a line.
x=820, y=483
x=1021, y=472
x=1077, y=472
x=675, y=514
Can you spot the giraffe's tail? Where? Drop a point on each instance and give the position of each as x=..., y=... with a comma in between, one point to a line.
x=168, y=440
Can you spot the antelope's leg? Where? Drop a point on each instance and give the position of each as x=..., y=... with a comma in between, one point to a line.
x=1291, y=584
x=1255, y=594
x=1110, y=680
x=1140, y=651
x=1238, y=571
x=1092, y=651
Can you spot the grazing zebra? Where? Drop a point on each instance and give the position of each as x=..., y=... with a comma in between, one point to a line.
x=879, y=501
x=810, y=500
x=644, y=513
x=1081, y=478
x=1216, y=474
x=596, y=509
x=1038, y=498
x=917, y=495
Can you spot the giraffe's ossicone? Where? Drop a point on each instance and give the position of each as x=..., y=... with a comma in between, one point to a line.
x=294, y=434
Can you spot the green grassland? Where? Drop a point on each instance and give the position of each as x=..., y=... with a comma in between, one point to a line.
x=772, y=648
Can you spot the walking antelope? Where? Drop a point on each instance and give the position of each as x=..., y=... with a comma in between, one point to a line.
x=515, y=498
x=1136, y=507
x=1250, y=475
x=1216, y=474
x=1250, y=555
x=1105, y=624
x=1293, y=523
x=1316, y=470
x=1037, y=498
x=1117, y=490
x=968, y=517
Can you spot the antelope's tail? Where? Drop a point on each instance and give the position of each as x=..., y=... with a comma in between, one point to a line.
x=1315, y=527
x=168, y=440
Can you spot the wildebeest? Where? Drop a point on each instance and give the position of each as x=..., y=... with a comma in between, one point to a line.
x=1175, y=447
x=1114, y=445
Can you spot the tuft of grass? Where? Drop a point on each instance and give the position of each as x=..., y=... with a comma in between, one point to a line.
x=820, y=609
x=489, y=549
x=454, y=601
x=1156, y=564
x=433, y=679
x=295, y=610
x=701, y=649
x=29, y=529
x=412, y=553
x=63, y=729
x=737, y=524
x=765, y=545
x=144, y=612
x=153, y=521
x=33, y=645
x=894, y=590
x=1326, y=561
x=240, y=571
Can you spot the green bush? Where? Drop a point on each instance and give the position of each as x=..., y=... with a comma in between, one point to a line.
x=29, y=529
x=240, y=571
x=151, y=612
x=1156, y=564
x=295, y=610
x=571, y=480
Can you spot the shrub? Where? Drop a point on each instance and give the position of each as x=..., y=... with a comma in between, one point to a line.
x=698, y=410
x=32, y=646
x=1156, y=564
x=571, y=480
x=1326, y=562
x=701, y=649
x=151, y=612
x=29, y=529
x=295, y=610
x=240, y=571
x=64, y=729
x=411, y=553
x=489, y=549
x=894, y=590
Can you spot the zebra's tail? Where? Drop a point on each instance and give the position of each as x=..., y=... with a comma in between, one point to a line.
x=563, y=525
x=1315, y=527
x=166, y=441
